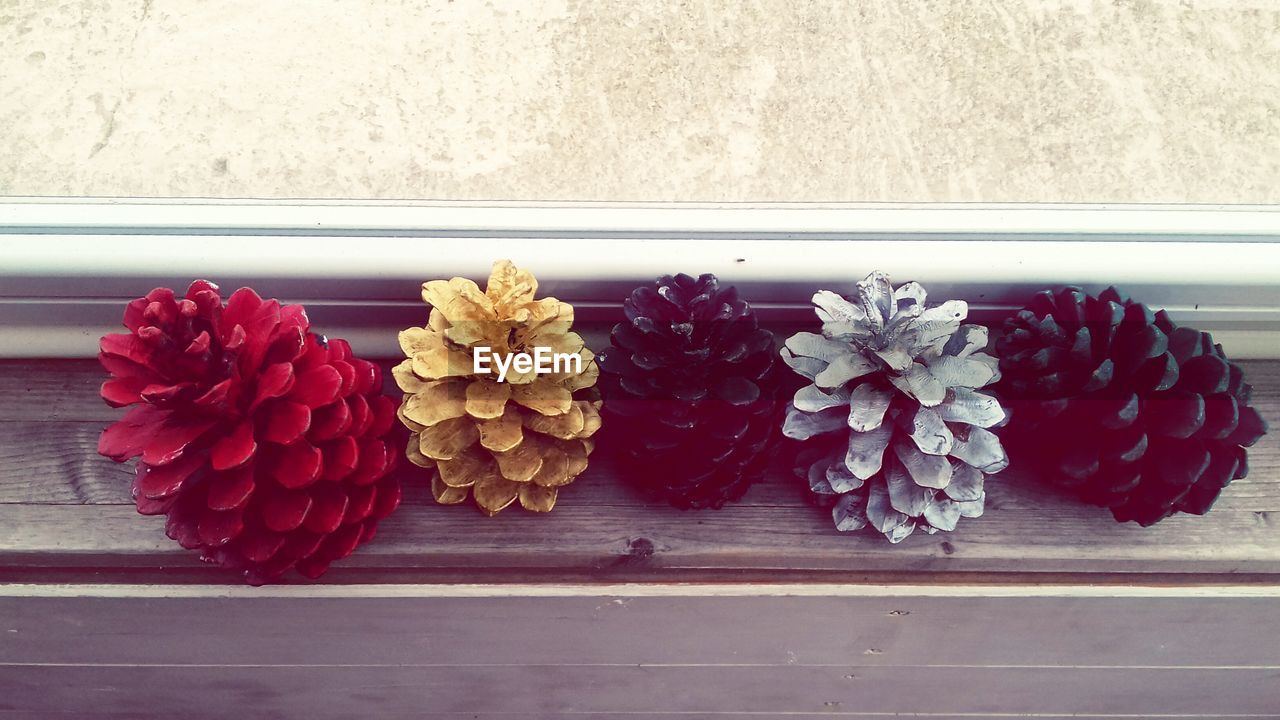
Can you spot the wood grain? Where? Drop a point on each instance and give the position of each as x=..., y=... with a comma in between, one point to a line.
x=676, y=715
x=44, y=390
x=547, y=691
x=65, y=516
x=57, y=463
x=909, y=631
x=63, y=506
x=624, y=540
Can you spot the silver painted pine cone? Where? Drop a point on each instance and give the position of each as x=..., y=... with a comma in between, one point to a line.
x=895, y=430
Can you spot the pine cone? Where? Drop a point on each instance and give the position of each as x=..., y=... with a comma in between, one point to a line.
x=259, y=441
x=900, y=431
x=523, y=435
x=690, y=391
x=1128, y=409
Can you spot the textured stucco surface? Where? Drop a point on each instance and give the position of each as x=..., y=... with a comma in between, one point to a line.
x=763, y=100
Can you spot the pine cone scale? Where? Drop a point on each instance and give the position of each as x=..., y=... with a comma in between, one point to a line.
x=1149, y=421
x=689, y=381
x=233, y=492
x=487, y=438
x=904, y=378
x=223, y=425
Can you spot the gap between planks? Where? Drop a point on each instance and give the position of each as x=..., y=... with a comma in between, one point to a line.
x=629, y=590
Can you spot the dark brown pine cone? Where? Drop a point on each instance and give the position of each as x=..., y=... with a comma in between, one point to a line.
x=690, y=391
x=1119, y=403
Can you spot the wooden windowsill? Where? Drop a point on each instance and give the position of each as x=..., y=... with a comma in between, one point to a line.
x=66, y=517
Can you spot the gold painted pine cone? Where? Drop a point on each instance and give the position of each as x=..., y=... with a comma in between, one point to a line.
x=522, y=438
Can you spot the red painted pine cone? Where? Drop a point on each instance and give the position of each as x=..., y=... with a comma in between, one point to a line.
x=259, y=440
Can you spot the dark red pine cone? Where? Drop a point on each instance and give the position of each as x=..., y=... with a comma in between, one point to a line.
x=259, y=440
x=691, y=391
x=1120, y=404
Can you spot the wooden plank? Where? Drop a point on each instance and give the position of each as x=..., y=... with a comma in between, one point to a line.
x=49, y=390
x=63, y=506
x=416, y=715
x=640, y=540
x=359, y=691
x=58, y=463
x=46, y=390
x=630, y=630
x=681, y=715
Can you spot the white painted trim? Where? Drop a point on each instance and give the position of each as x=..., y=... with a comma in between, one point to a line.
x=849, y=220
x=68, y=266
x=636, y=590
x=994, y=263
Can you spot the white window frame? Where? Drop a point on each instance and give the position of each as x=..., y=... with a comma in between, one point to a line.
x=68, y=265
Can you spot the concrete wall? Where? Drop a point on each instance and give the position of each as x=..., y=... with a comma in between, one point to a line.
x=766, y=100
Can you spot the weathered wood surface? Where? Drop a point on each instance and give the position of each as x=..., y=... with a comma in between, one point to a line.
x=63, y=507
x=614, y=655
x=539, y=657
x=544, y=692
x=65, y=515
x=908, y=631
